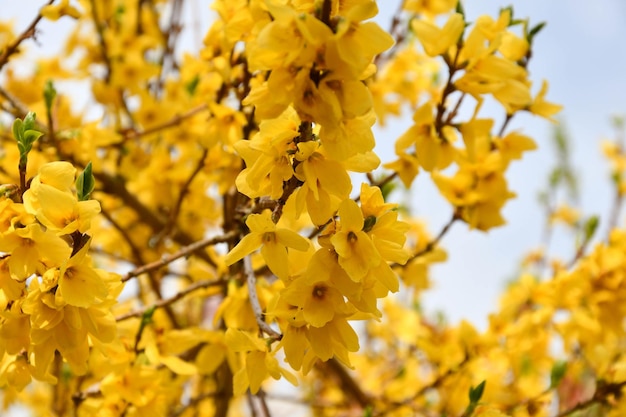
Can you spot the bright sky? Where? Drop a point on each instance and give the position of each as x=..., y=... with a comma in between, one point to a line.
x=581, y=54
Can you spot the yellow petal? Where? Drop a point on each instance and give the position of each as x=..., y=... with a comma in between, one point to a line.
x=246, y=246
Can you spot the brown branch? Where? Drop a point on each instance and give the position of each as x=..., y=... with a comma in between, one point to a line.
x=116, y=187
x=254, y=301
x=173, y=122
x=448, y=89
x=171, y=37
x=580, y=252
x=185, y=251
x=166, y=302
x=433, y=243
x=435, y=383
x=28, y=33
x=347, y=383
x=101, y=39
x=193, y=402
x=169, y=226
x=507, y=119
x=152, y=280
x=19, y=111
x=455, y=110
x=262, y=400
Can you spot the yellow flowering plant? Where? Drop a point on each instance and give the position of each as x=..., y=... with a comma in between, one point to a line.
x=217, y=220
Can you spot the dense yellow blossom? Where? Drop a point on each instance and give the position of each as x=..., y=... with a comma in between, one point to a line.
x=190, y=231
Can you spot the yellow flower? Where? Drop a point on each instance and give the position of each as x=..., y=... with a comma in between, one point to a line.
x=432, y=151
x=336, y=338
x=357, y=253
x=406, y=166
x=318, y=299
x=355, y=43
x=437, y=41
x=326, y=183
x=79, y=284
x=273, y=242
x=544, y=108
x=50, y=199
x=429, y=7
x=259, y=363
x=31, y=249
x=63, y=8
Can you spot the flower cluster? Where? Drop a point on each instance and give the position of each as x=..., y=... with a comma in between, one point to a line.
x=53, y=299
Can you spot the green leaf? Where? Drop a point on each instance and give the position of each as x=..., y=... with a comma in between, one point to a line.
x=146, y=317
x=368, y=412
x=556, y=176
x=29, y=121
x=85, y=183
x=192, y=85
x=30, y=136
x=476, y=393
x=590, y=227
x=18, y=129
x=509, y=9
x=460, y=9
x=534, y=31
x=49, y=94
x=557, y=373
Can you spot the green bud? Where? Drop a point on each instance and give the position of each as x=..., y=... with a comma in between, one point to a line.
x=85, y=183
x=49, y=94
x=557, y=373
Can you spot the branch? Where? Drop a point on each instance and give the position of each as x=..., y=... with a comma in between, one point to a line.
x=171, y=37
x=167, y=301
x=28, y=33
x=154, y=283
x=173, y=122
x=431, y=245
x=181, y=197
x=507, y=119
x=193, y=402
x=346, y=382
x=435, y=383
x=186, y=251
x=101, y=39
x=254, y=301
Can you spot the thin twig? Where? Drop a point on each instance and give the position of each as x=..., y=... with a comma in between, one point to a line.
x=171, y=222
x=435, y=383
x=346, y=382
x=185, y=251
x=152, y=280
x=580, y=252
x=173, y=122
x=193, y=402
x=28, y=33
x=102, y=40
x=178, y=296
x=506, y=122
x=171, y=36
x=254, y=300
x=264, y=407
x=431, y=245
